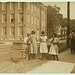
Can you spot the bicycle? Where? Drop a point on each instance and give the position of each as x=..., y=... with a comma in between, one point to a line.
x=19, y=51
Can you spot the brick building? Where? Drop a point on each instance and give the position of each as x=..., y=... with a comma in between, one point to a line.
x=19, y=18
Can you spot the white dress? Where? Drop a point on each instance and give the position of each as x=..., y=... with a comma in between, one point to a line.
x=43, y=45
x=54, y=47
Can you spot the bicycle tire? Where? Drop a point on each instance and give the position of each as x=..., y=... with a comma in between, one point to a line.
x=12, y=57
x=26, y=55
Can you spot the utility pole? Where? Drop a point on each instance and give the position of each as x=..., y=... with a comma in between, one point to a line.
x=68, y=22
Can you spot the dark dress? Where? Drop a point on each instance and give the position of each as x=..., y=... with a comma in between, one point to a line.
x=72, y=44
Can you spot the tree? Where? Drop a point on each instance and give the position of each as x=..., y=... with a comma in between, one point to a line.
x=72, y=24
x=53, y=19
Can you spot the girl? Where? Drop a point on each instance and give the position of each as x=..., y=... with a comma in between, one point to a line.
x=54, y=46
x=43, y=45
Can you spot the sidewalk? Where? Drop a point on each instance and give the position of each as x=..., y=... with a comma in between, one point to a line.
x=54, y=67
x=66, y=56
x=65, y=65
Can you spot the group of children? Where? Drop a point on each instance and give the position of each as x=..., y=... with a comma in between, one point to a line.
x=33, y=48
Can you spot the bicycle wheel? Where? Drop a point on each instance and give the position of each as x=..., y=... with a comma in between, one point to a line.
x=14, y=55
x=24, y=54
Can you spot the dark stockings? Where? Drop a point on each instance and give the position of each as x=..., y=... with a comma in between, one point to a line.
x=55, y=56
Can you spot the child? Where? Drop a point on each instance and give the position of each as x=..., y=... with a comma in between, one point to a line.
x=33, y=43
x=43, y=44
x=54, y=46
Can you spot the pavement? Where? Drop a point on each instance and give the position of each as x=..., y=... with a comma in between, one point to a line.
x=54, y=67
x=66, y=56
x=65, y=64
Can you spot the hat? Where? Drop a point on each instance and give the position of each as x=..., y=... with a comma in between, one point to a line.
x=43, y=33
x=33, y=32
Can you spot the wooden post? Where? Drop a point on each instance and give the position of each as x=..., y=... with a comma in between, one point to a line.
x=68, y=22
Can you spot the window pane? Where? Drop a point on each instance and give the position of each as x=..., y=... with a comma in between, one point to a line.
x=37, y=34
x=4, y=18
x=12, y=6
x=28, y=6
x=12, y=30
x=35, y=8
x=31, y=19
x=12, y=18
x=20, y=30
x=20, y=5
x=34, y=21
x=28, y=30
x=20, y=17
x=32, y=7
x=42, y=24
x=4, y=31
x=44, y=16
x=38, y=10
x=37, y=21
x=3, y=6
x=28, y=18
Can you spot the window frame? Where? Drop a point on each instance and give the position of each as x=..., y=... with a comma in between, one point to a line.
x=13, y=18
x=3, y=31
x=3, y=18
x=13, y=31
x=19, y=7
x=19, y=31
x=13, y=6
x=19, y=19
x=3, y=6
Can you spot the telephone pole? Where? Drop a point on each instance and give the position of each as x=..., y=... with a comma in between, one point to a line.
x=68, y=22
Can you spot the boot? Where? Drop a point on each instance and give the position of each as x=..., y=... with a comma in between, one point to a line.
x=57, y=57
x=53, y=57
x=42, y=55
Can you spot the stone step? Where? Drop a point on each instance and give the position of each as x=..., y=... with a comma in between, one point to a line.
x=4, y=51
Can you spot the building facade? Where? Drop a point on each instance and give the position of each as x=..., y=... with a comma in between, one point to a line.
x=19, y=18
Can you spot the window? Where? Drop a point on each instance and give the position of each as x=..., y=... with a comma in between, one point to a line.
x=12, y=31
x=38, y=10
x=20, y=5
x=37, y=34
x=20, y=30
x=44, y=16
x=38, y=21
x=4, y=18
x=4, y=31
x=35, y=8
x=28, y=30
x=34, y=21
x=42, y=24
x=12, y=18
x=12, y=6
x=28, y=18
x=31, y=19
x=32, y=7
x=42, y=13
x=3, y=6
x=20, y=17
x=28, y=6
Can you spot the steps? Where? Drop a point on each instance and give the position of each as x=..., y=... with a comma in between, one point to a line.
x=4, y=50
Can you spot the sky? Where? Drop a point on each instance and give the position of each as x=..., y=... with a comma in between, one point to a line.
x=63, y=8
